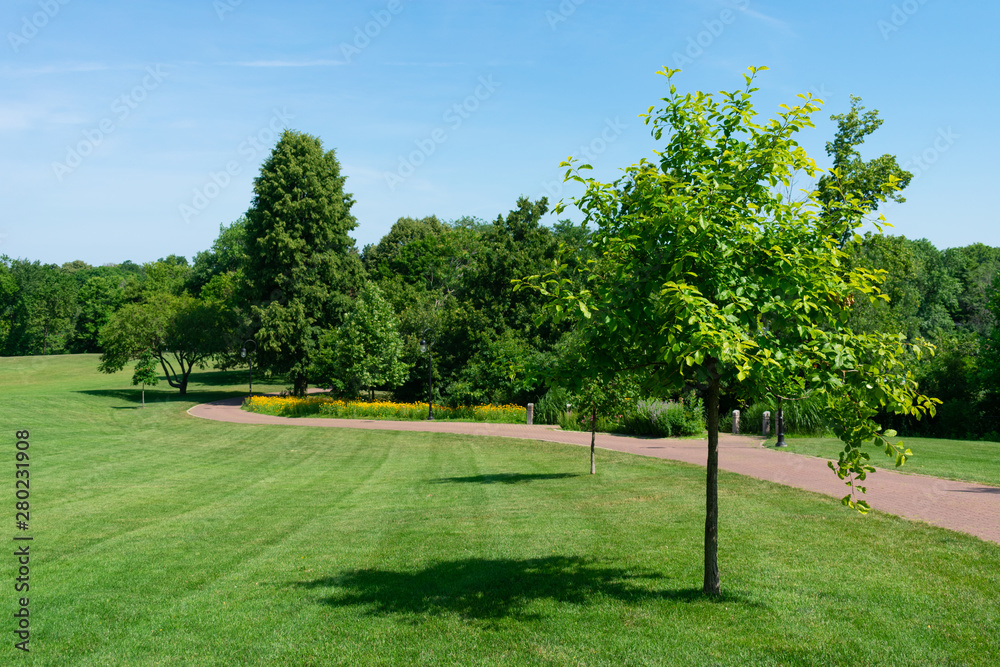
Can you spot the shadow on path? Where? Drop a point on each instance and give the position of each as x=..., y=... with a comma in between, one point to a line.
x=484, y=589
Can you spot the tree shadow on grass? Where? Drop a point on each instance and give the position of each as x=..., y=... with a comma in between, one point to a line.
x=127, y=395
x=216, y=378
x=491, y=589
x=505, y=478
x=159, y=396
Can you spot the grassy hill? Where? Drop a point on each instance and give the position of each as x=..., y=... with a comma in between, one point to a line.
x=164, y=539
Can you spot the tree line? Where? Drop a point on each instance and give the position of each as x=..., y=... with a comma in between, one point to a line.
x=288, y=276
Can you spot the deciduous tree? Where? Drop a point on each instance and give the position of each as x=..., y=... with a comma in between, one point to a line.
x=706, y=275
x=181, y=332
x=365, y=351
x=145, y=373
x=867, y=183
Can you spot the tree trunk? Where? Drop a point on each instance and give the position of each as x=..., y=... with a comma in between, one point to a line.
x=593, y=436
x=300, y=384
x=143, y=394
x=713, y=586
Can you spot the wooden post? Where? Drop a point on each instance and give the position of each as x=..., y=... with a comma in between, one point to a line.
x=766, y=426
x=736, y=422
x=531, y=413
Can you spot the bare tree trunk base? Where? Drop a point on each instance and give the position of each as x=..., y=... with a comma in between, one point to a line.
x=593, y=438
x=713, y=584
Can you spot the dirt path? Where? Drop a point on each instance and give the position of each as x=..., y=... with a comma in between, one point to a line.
x=969, y=508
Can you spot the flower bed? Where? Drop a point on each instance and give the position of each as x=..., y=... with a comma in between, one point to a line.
x=327, y=406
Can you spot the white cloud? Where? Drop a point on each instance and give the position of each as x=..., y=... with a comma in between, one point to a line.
x=424, y=64
x=287, y=63
x=22, y=116
x=777, y=23
x=64, y=68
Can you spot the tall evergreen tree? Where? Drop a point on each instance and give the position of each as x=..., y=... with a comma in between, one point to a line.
x=302, y=267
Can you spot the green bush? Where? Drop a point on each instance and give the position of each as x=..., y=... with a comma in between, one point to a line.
x=665, y=419
x=573, y=420
x=551, y=408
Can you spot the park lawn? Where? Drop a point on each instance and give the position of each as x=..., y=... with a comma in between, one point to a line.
x=160, y=538
x=965, y=460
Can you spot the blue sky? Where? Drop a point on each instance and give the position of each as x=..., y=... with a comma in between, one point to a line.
x=132, y=130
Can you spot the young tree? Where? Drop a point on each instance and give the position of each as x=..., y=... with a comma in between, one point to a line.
x=364, y=352
x=145, y=373
x=597, y=378
x=707, y=275
x=301, y=266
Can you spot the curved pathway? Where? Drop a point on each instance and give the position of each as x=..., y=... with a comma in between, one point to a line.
x=966, y=507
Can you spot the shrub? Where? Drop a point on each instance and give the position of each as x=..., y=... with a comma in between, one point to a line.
x=551, y=408
x=665, y=419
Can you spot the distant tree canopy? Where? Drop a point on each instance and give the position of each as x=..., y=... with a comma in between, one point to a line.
x=287, y=273
x=40, y=307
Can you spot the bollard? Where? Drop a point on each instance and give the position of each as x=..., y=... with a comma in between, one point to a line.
x=736, y=422
x=767, y=424
x=531, y=413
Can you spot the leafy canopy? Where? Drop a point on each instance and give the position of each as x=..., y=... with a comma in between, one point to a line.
x=365, y=351
x=181, y=332
x=705, y=274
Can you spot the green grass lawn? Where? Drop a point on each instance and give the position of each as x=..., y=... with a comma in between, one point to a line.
x=164, y=539
x=970, y=461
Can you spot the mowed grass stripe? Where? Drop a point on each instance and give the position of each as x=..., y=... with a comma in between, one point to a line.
x=407, y=548
x=141, y=493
